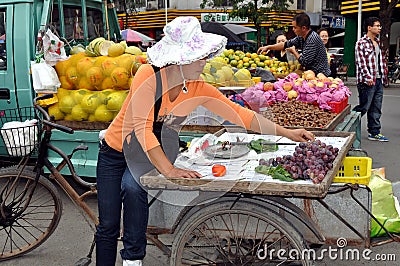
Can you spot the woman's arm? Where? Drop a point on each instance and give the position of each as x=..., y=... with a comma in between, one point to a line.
x=265, y=126
x=277, y=46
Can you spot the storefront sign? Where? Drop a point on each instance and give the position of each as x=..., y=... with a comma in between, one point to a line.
x=337, y=22
x=222, y=18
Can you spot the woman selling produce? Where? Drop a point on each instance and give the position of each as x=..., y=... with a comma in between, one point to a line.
x=313, y=55
x=144, y=136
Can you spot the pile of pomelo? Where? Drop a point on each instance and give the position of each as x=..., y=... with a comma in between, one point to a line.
x=240, y=59
x=93, y=88
x=86, y=105
x=221, y=74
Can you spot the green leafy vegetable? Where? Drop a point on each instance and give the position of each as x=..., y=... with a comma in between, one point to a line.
x=262, y=145
x=276, y=172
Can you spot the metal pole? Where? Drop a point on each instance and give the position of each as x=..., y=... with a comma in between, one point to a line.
x=359, y=19
x=166, y=12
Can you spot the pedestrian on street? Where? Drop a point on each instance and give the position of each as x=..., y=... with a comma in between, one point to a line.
x=313, y=56
x=370, y=72
x=324, y=35
x=144, y=134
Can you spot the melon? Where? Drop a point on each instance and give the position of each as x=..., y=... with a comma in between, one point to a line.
x=115, y=49
x=126, y=61
x=133, y=50
x=54, y=111
x=68, y=117
x=104, y=94
x=95, y=76
x=99, y=60
x=61, y=67
x=91, y=118
x=61, y=92
x=72, y=75
x=65, y=84
x=66, y=104
x=115, y=100
x=84, y=83
x=107, y=84
x=108, y=65
x=90, y=103
x=83, y=65
x=79, y=94
x=78, y=113
x=73, y=60
x=102, y=114
x=120, y=77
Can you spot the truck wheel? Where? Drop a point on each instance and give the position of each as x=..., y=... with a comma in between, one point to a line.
x=243, y=235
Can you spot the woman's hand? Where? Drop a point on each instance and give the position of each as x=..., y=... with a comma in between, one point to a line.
x=183, y=173
x=291, y=49
x=300, y=135
x=263, y=49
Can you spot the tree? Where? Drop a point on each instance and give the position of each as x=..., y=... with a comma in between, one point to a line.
x=385, y=15
x=256, y=10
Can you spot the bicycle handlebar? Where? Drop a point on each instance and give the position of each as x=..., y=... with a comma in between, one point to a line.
x=60, y=127
x=46, y=117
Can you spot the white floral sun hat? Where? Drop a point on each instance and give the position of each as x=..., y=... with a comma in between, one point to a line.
x=183, y=43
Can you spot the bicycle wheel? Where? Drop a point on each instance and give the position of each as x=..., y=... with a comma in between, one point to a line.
x=20, y=233
x=243, y=235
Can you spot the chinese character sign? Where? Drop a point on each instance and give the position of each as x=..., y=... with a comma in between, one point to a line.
x=222, y=18
x=337, y=22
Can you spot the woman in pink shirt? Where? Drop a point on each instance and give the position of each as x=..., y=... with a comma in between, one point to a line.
x=144, y=135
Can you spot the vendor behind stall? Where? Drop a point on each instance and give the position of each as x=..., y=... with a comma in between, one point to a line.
x=313, y=55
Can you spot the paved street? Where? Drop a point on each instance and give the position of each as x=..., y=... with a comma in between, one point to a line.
x=73, y=236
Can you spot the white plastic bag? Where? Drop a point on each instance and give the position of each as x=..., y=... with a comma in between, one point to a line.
x=20, y=137
x=53, y=48
x=44, y=78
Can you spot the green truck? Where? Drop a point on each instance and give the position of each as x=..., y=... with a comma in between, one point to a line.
x=22, y=23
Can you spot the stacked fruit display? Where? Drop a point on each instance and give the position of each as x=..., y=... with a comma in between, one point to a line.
x=94, y=83
x=240, y=59
x=309, y=88
x=219, y=73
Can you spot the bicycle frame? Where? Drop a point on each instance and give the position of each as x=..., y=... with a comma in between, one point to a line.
x=43, y=161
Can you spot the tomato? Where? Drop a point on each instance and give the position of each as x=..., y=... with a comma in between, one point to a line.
x=218, y=170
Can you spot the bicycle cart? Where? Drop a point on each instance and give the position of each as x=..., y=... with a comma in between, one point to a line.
x=236, y=222
x=212, y=223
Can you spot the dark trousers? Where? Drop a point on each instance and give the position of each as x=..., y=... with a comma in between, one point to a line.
x=118, y=187
x=370, y=103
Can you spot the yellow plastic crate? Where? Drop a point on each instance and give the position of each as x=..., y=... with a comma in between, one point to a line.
x=355, y=170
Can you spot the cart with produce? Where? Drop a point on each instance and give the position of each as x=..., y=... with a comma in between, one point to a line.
x=252, y=212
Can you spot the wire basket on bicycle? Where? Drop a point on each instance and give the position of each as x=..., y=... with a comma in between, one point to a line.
x=20, y=131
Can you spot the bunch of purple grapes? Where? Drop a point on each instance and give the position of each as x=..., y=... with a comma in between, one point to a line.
x=310, y=160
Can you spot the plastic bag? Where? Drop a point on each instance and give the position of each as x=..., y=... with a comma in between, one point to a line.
x=385, y=206
x=44, y=78
x=53, y=48
x=266, y=76
x=20, y=138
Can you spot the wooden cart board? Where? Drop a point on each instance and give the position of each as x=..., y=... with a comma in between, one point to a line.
x=212, y=129
x=154, y=180
x=84, y=125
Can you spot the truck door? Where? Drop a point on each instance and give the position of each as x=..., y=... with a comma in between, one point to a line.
x=7, y=84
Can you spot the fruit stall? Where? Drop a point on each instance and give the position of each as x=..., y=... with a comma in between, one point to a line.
x=95, y=81
x=293, y=190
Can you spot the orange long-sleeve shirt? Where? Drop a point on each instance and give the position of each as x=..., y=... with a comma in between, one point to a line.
x=137, y=112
